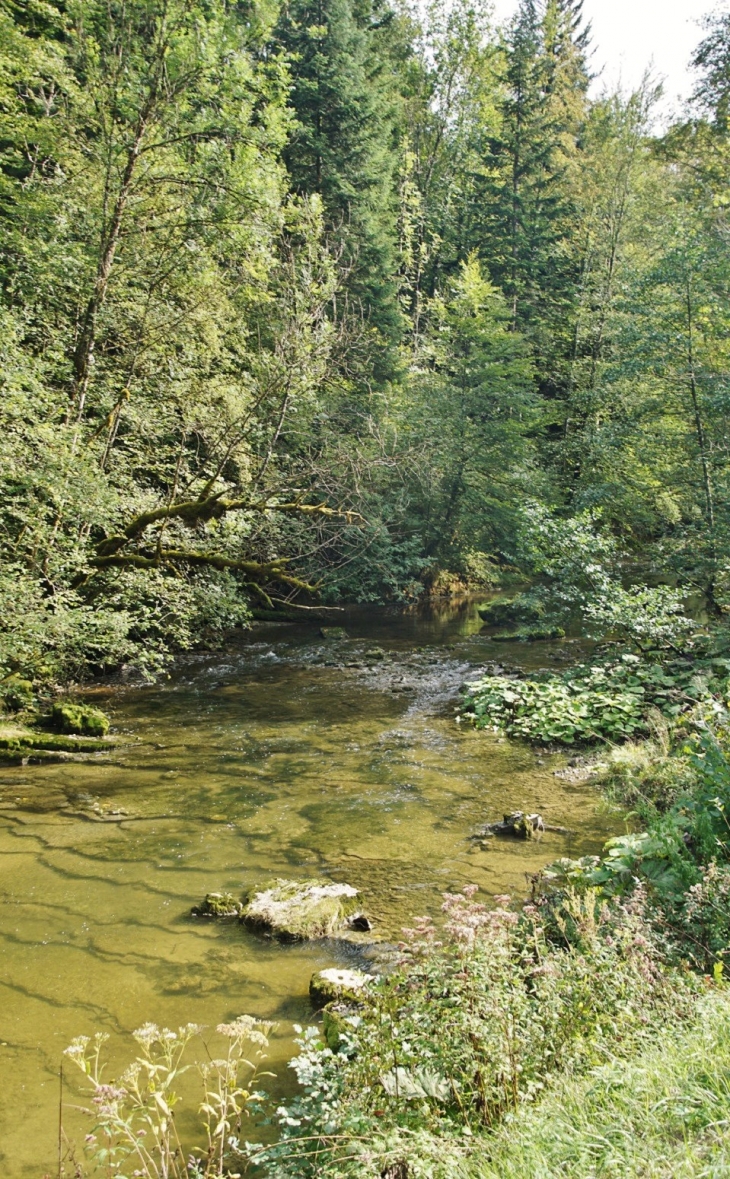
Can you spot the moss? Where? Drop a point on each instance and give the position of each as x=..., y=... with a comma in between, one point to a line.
x=300, y=909
x=22, y=741
x=333, y=632
x=79, y=718
x=529, y=634
x=217, y=904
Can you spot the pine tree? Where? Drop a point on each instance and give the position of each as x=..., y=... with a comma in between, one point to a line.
x=527, y=234
x=344, y=145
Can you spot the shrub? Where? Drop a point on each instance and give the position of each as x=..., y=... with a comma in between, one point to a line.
x=682, y=859
x=470, y=1030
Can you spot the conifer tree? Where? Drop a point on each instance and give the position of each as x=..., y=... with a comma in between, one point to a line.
x=344, y=145
x=527, y=236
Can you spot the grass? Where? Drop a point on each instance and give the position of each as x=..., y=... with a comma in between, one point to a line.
x=664, y=1115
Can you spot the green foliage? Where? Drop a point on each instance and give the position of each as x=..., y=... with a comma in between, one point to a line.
x=472, y=1031
x=581, y=563
x=470, y=409
x=343, y=59
x=682, y=858
x=610, y=701
x=16, y=693
x=662, y=1113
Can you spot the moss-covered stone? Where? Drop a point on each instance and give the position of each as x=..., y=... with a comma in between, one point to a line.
x=218, y=904
x=529, y=634
x=300, y=909
x=79, y=718
x=521, y=609
x=17, y=743
x=335, y=985
x=333, y=632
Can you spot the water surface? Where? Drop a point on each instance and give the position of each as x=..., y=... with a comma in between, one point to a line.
x=282, y=754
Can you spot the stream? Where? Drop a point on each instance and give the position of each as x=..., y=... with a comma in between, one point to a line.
x=282, y=754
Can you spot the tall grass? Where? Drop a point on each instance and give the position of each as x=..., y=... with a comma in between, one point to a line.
x=663, y=1115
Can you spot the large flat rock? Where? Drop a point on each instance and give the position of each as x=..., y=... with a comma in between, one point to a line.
x=301, y=909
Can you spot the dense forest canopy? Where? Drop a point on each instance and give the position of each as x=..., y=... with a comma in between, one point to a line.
x=325, y=297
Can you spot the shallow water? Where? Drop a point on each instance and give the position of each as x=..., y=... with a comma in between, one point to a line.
x=272, y=757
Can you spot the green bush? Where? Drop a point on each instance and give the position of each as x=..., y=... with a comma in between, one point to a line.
x=471, y=1030
x=16, y=693
x=682, y=859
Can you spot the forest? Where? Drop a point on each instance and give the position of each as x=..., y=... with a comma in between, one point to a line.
x=320, y=304
x=325, y=302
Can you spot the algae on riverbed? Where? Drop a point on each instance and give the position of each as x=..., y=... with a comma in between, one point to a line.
x=255, y=763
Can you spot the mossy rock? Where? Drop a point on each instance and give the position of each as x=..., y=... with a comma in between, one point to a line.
x=338, y=1020
x=301, y=910
x=217, y=905
x=333, y=632
x=79, y=718
x=18, y=743
x=517, y=610
x=529, y=634
x=375, y=653
x=336, y=985
x=16, y=693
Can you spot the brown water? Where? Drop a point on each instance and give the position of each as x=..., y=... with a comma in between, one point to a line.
x=272, y=757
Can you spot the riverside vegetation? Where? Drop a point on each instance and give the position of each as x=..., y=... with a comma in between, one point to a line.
x=350, y=301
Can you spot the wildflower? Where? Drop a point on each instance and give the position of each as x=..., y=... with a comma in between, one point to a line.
x=77, y=1049
x=147, y=1035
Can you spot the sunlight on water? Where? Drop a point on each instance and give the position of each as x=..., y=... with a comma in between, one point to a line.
x=272, y=757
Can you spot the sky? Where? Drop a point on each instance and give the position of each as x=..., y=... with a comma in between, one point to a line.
x=629, y=35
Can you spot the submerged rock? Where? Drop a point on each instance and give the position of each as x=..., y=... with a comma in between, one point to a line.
x=79, y=718
x=301, y=909
x=333, y=632
x=519, y=825
x=217, y=904
x=335, y=985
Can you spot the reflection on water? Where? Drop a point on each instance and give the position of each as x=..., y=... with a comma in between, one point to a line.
x=284, y=754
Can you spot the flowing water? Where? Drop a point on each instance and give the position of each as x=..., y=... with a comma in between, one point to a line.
x=282, y=755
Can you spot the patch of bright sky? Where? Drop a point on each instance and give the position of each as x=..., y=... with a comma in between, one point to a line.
x=631, y=35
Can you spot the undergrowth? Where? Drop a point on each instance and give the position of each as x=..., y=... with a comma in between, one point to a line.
x=610, y=700
x=476, y=1026
x=664, y=1114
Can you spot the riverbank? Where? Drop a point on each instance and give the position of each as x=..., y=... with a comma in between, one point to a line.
x=297, y=755
x=496, y=1050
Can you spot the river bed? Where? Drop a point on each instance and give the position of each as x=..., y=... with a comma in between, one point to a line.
x=282, y=754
